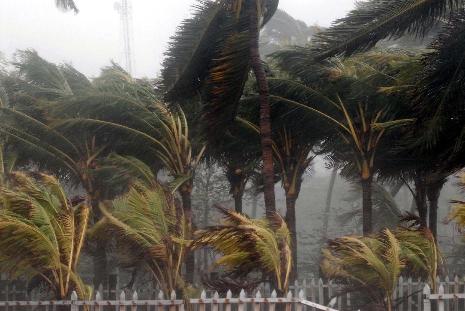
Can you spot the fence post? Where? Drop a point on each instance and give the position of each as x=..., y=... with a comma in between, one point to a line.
x=456, y=291
x=321, y=292
x=227, y=305
x=441, y=298
x=409, y=294
x=160, y=296
x=419, y=294
x=426, y=300
x=312, y=291
x=122, y=298
x=203, y=296
x=135, y=297
x=289, y=299
x=241, y=304
x=272, y=303
x=98, y=298
x=173, y=298
x=74, y=298
x=215, y=305
x=299, y=306
x=256, y=305
x=400, y=295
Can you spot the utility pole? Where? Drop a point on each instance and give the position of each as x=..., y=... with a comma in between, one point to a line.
x=124, y=9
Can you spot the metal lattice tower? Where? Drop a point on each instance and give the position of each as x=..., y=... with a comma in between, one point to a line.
x=124, y=9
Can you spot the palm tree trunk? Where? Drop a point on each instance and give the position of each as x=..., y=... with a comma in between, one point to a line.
x=99, y=257
x=187, y=208
x=433, y=192
x=238, y=202
x=367, y=205
x=420, y=200
x=265, y=109
x=291, y=223
x=206, y=211
x=329, y=198
x=254, y=205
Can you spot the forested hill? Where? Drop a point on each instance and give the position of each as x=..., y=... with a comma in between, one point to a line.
x=283, y=30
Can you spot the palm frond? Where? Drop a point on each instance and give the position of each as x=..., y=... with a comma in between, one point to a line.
x=374, y=20
x=242, y=242
x=41, y=233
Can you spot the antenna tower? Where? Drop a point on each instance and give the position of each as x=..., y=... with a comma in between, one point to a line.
x=124, y=9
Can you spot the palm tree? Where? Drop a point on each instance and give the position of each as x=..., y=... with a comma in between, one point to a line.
x=73, y=155
x=211, y=55
x=362, y=120
x=293, y=145
x=369, y=261
x=247, y=245
x=156, y=131
x=42, y=233
x=150, y=230
x=373, y=264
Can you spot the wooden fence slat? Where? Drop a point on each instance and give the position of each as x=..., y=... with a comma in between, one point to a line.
x=98, y=297
x=215, y=305
x=426, y=300
x=409, y=294
x=135, y=297
x=400, y=293
x=74, y=298
x=301, y=295
x=122, y=299
x=289, y=304
x=203, y=296
x=441, y=300
x=321, y=293
x=256, y=305
x=272, y=305
x=227, y=306
x=419, y=290
x=173, y=298
x=241, y=305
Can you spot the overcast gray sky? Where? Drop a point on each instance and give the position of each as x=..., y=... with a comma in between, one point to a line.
x=90, y=39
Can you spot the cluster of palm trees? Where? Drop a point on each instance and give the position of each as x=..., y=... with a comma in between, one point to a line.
x=385, y=117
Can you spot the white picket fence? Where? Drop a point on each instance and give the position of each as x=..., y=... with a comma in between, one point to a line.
x=409, y=295
x=204, y=303
x=308, y=295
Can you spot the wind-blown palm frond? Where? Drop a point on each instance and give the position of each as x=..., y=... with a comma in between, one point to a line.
x=42, y=78
x=374, y=20
x=150, y=231
x=458, y=212
x=374, y=263
x=42, y=234
x=439, y=97
x=210, y=55
x=244, y=242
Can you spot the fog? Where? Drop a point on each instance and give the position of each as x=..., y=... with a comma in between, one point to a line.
x=90, y=39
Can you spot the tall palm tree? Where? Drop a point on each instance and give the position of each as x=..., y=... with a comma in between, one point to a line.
x=212, y=54
x=294, y=143
x=362, y=119
x=42, y=233
x=247, y=245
